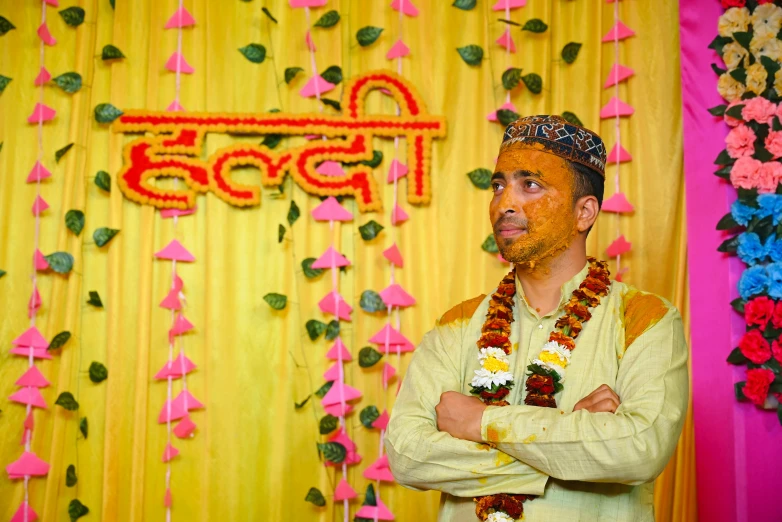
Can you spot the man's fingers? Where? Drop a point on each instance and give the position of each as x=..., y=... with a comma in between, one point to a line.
x=602, y=393
x=606, y=405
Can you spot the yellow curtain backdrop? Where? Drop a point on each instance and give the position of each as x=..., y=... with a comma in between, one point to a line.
x=254, y=455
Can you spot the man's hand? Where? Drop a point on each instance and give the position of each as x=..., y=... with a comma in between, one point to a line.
x=602, y=399
x=460, y=416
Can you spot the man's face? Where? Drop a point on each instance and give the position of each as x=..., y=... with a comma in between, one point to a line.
x=532, y=210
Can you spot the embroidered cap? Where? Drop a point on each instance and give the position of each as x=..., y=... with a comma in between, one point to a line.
x=559, y=137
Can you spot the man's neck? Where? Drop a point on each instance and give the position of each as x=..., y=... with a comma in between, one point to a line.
x=542, y=284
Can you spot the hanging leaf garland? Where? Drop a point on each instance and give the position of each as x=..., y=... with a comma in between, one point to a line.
x=570, y=52
x=333, y=452
x=533, y=82
x=60, y=262
x=572, y=118
x=5, y=26
x=291, y=72
x=60, y=153
x=506, y=116
x=59, y=340
x=4, y=81
x=76, y=510
x=370, y=230
x=481, y=178
x=106, y=113
x=309, y=272
x=323, y=390
x=328, y=423
x=371, y=302
x=329, y=19
x=70, y=476
x=334, y=104
x=369, y=415
x=111, y=52
x=73, y=16
x=280, y=233
x=74, y=221
x=465, y=5
x=333, y=74
x=315, y=496
x=315, y=328
x=511, y=78
x=471, y=54
x=293, y=213
x=276, y=301
x=490, y=245
x=69, y=82
x=332, y=330
x=66, y=400
x=84, y=427
x=256, y=53
x=98, y=372
x=535, y=25
x=368, y=35
x=103, y=235
x=268, y=14
x=94, y=299
x=103, y=180
x=368, y=357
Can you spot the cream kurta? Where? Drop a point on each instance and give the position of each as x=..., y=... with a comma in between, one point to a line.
x=586, y=466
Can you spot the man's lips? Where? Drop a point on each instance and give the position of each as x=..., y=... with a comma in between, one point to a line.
x=510, y=231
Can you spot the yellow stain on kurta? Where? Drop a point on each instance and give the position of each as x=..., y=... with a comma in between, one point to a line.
x=494, y=434
x=502, y=459
x=463, y=311
x=642, y=311
x=530, y=439
x=483, y=446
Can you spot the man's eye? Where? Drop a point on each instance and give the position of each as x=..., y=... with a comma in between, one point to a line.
x=531, y=184
x=496, y=186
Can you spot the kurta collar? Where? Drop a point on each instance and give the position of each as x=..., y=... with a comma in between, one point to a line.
x=565, y=291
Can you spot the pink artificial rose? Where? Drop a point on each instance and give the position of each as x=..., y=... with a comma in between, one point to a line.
x=768, y=176
x=774, y=143
x=730, y=120
x=740, y=141
x=759, y=109
x=744, y=172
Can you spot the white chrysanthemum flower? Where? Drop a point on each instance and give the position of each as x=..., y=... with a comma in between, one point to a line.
x=499, y=516
x=734, y=20
x=555, y=347
x=497, y=353
x=766, y=20
x=554, y=368
x=486, y=379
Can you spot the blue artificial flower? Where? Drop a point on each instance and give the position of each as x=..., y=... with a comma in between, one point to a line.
x=770, y=205
x=774, y=271
x=750, y=249
x=742, y=214
x=774, y=248
x=753, y=282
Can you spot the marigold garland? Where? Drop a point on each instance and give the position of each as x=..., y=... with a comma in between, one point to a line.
x=493, y=381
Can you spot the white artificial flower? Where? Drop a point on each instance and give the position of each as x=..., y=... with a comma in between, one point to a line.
x=766, y=20
x=486, y=379
x=555, y=347
x=497, y=353
x=499, y=516
x=557, y=369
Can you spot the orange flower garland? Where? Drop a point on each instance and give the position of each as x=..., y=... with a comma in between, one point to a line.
x=492, y=383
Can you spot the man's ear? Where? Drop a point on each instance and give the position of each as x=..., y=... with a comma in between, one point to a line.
x=587, y=210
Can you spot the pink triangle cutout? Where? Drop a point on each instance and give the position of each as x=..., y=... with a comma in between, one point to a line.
x=29, y=395
x=327, y=306
x=175, y=370
x=333, y=396
x=379, y=512
x=28, y=464
x=393, y=254
x=307, y=3
x=388, y=373
x=38, y=173
x=618, y=32
x=618, y=247
x=34, y=304
x=181, y=18
x=175, y=251
x=19, y=516
x=39, y=205
x=40, y=261
x=617, y=203
x=32, y=377
x=38, y=353
x=398, y=50
x=508, y=4
x=41, y=112
x=177, y=60
x=337, y=348
x=310, y=43
x=186, y=397
x=166, y=213
x=506, y=41
x=331, y=210
x=395, y=295
x=167, y=498
x=344, y=491
x=169, y=453
x=309, y=89
x=394, y=336
x=181, y=325
x=396, y=170
x=45, y=35
x=378, y=470
x=406, y=6
x=171, y=301
x=618, y=154
x=332, y=374
x=618, y=73
x=398, y=215
x=330, y=168
x=616, y=107
x=175, y=106
x=331, y=258
x=31, y=337
x=338, y=410
x=381, y=422
x=43, y=77
x=184, y=427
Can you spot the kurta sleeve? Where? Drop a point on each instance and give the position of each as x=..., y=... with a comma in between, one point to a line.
x=631, y=446
x=423, y=458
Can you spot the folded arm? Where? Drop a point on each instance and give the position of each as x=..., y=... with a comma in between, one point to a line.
x=630, y=446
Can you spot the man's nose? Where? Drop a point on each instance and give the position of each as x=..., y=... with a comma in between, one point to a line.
x=508, y=204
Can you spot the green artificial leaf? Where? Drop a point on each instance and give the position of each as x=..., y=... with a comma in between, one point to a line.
x=69, y=82
x=724, y=158
x=371, y=302
x=506, y=116
x=511, y=78
x=111, y=2
x=5, y=25
x=377, y=158
x=490, y=245
x=368, y=357
x=60, y=153
x=743, y=38
x=535, y=25
x=267, y=13
x=276, y=301
x=481, y=178
x=103, y=235
x=729, y=245
x=309, y=272
x=84, y=427
x=300, y=405
x=370, y=230
x=369, y=497
x=727, y=222
x=369, y=415
x=719, y=42
x=719, y=110
x=724, y=172
x=315, y=328
x=771, y=66
x=509, y=22
x=280, y=233
x=291, y=72
x=779, y=413
x=333, y=74
x=328, y=424
x=73, y=16
x=256, y=53
x=736, y=357
x=332, y=330
x=4, y=81
x=293, y=213
x=103, y=180
x=738, y=390
x=323, y=390
x=111, y=52
x=368, y=35
x=60, y=262
x=334, y=104
x=739, y=74
x=59, y=340
x=106, y=113
x=2, y=273
x=333, y=452
x=572, y=118
x=570, y=52
x=70, y=476
x=717, y=70
x=738, y=305
x=533, y=82
x=328, y=19
x=74, y=220
x=315, y=496
x=464, y=5
x=271, y=141
x=67, y=401
x=76, y=510
x=98, y=372
x=471, y=54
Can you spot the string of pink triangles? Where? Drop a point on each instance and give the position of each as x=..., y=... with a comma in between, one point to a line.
x=616, y=109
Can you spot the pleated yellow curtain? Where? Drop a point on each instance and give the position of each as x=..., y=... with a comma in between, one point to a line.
x=254, y=456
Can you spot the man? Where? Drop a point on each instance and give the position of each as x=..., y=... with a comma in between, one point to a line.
x=471, y=419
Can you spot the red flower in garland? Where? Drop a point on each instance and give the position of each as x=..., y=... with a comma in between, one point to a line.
x=758, y=381
x=759, y=311
x=755, y=347
x=543, y=384
x=776, y=319
x=776, y=350
x=761, y=2
x=733, y=3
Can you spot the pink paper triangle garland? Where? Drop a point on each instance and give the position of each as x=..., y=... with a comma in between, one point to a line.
x=338, y=410
x=616, y=107
x=618, y=73
x=38, y=353
x=339, y=393
x=41, y=113
x=175, y=251
x=331, y=258
x=618, y=154
x=331, y=210
x=181, y=325
x=184, y=427
x=43, y=77
x=388, y=373
x=330, y=168
x=501, y=5
x=31, y=337
x=45, y=35
x=379, y=512
x=38, y=173
x=167, y=498
x=310, y=44
x=169, y=453
x=618, y=247
x=28, y=464
x=175, y=106
x=618, y=32
x=34, y=304
x=40, y=261
x=395, y=295
x=39, y=205
x=177, y=60
x=33, y=378
x=338, y=350
x=171, y=212
x=29, y=395
x=394, y=336
x=19, y=516
x=171, y=301
x=393, y=254
x=309, y=89
x=506, y=41
x=344, y=491
x=181, y=18
x=181, y=365
x=396, y=170
x=327, y=306
x=307, y=3
x=381, y=422
x=617, y=203
x=406, y=6
x=332, y=374
x=398, y=50
x=398, y=215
